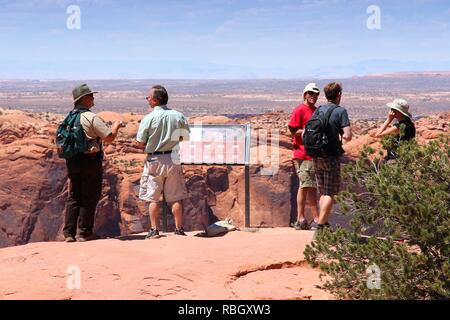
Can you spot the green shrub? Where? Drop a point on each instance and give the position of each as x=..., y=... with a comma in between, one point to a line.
x=408, y=199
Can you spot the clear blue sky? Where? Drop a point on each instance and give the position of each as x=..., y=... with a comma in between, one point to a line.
x=221, y=38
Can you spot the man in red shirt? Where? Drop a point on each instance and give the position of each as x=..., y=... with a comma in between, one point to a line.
x=303, y=163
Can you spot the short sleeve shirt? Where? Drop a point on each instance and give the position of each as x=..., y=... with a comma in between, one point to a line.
x=410, y=130
x=160, y=130
x=300, y=116
x=406, y=135
x=94, y=126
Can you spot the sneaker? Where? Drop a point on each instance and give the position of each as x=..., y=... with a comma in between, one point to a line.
x=153, y=234
x=301, y=225
x=91, y=237
x=70, y=239
x=314, y=226
x=180, y=232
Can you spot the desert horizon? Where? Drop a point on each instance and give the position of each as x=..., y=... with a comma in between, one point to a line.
x=365, y=97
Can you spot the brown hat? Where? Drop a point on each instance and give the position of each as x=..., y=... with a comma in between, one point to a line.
x=81, y=91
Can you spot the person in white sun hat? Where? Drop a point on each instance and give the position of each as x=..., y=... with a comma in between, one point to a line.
x=304, y=166
x=403, y=129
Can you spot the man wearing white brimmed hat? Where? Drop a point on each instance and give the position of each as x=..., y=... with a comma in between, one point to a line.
x=303, y=164
x=85, y=171
x=398, y=110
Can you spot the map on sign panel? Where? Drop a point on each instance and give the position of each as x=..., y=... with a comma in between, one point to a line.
x=216, y=144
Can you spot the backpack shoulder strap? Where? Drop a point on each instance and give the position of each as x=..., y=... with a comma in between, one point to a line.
x=80, y=110
x=317, y=110
x=330, y=111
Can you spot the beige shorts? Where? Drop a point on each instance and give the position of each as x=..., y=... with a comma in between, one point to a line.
x=305, y=172
x=161, y=177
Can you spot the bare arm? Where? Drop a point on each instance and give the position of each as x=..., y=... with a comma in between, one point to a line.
x=299, y=133
x=383, y=131
x=114, y=133
x=347, y=136
x=296, y=132
x=139, y=144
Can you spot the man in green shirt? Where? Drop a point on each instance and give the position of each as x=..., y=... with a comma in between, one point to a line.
x=159, y=134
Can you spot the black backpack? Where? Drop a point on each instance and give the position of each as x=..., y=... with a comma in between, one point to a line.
x=316, y=137
x=70, y=137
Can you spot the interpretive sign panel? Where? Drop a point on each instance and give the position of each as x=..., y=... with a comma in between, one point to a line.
x=216, y=145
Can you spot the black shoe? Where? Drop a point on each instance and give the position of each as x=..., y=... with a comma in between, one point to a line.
x=91, y=237
x=180, y=232
x=301, y=225
x=153, y=234
x=70, y=239
x=314, y=226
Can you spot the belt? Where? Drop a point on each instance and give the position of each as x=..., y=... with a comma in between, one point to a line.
x=161, y=152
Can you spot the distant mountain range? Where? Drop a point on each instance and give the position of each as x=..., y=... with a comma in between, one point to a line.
x=178, y=69
x=371, y=67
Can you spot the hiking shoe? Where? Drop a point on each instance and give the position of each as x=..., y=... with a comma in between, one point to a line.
x=91, y=237
x=314, y=226
x=70, y=239
x=153, y=234
x=180, y=232
x=301, y=225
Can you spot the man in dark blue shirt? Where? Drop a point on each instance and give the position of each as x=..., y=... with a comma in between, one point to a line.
x=328, y=168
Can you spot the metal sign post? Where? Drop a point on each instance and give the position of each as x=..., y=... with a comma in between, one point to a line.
x=247, y=177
